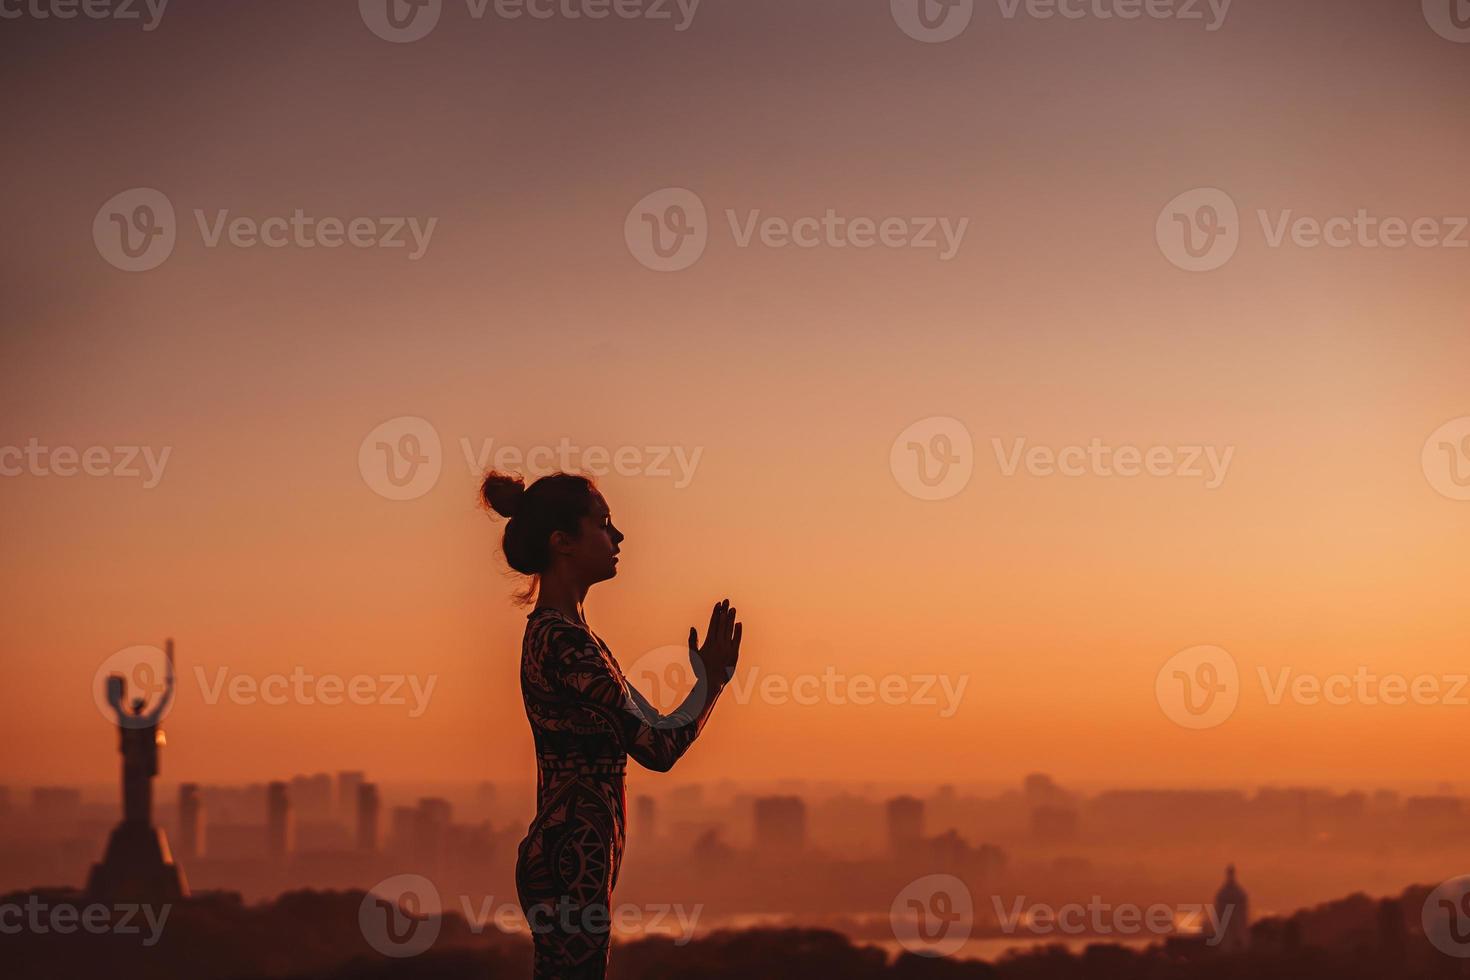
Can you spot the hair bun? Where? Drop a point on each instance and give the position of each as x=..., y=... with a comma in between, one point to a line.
x=503, y=493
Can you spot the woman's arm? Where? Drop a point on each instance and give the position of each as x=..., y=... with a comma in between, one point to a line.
x=654, y=740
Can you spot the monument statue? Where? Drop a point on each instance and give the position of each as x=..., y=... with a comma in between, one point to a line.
x=138, y=866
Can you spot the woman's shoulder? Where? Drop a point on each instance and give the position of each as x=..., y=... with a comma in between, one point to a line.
x=547, y=627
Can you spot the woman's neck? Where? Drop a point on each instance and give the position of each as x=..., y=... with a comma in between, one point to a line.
x=565, y=597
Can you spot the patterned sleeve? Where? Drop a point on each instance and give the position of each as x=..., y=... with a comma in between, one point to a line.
x=655, y=741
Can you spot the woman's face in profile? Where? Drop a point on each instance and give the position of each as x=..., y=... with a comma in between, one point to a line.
x=595, y=552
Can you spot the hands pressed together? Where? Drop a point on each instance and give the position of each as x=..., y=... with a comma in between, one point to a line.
x=721, y=650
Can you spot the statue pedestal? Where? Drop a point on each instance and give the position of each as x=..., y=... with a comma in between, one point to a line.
x=137, y=868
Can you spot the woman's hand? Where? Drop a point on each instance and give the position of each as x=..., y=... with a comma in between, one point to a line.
x=721, y=650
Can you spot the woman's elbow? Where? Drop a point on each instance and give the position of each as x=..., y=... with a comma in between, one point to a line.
x=657, y=761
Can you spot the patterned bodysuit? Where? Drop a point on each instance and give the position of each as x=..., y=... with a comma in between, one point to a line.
x=586, y=720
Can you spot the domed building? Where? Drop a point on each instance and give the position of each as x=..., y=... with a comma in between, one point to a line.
x=1230, y=923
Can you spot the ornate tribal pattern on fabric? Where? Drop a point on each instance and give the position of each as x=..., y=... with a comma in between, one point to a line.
x=586, y=720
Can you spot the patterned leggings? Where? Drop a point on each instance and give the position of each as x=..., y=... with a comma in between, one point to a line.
x=565, y=872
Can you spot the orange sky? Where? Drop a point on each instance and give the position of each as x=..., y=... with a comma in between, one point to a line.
x=528, y=321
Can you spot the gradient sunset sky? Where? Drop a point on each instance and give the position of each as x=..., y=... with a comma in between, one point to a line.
x=529, y=320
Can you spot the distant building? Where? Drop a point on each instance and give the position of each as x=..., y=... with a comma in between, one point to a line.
x=687, y=797
x=322, y=835
x=368, y=807
x=905, y=825
x=311, y=797
x=347, y=786
x=430, y=832
x=401, y=830
x=279, y=836
x=646, y=817
x=191, y=822
x=1054, y=824
x=780, y=825
x=710, y=851
x=237, y=841
x=1434, y=811
x=1231, y=920
x=1040, y=790
x=56, y=804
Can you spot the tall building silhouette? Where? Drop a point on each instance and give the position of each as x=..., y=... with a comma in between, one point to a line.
x=905, y=825
x=646, y=814
x=278, y=821
x=430, y=830
x=780, y=825
x=348, y=782
x=311, y=797
x=1232, y=912
x=191, y=822
x=401, y=830
x=368, y=808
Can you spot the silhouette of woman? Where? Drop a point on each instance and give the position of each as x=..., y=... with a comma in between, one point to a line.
x=586, y=719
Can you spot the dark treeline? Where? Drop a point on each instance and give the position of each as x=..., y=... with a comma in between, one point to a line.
x=316, y=936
